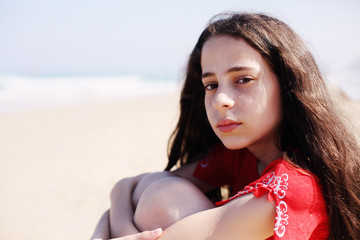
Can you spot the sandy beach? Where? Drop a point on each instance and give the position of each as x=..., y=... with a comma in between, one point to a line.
x=58, y=165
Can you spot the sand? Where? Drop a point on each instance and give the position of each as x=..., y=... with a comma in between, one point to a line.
x=58, y=165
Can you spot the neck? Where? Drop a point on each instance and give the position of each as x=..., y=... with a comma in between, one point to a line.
x=265, y=158
x=266, y=155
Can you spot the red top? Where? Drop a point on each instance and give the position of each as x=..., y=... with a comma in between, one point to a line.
x=300, y=206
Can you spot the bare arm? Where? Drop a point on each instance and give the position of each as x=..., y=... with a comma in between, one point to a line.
x=246, y=217
x=127, y=192
x=124, y=198
x=122, y=209
x=102, y=231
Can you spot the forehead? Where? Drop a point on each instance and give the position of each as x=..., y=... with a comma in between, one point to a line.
x=226, y=51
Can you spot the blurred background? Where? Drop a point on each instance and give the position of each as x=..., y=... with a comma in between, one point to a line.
x=69, y=51
x=89, y=91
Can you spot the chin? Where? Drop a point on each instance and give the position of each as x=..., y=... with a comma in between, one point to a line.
x=233, y=145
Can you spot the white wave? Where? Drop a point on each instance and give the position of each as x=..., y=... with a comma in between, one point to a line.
x=22, y=93
x=26, y=93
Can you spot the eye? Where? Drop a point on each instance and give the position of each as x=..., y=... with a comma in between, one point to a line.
x=210, y=86
x=244, y=80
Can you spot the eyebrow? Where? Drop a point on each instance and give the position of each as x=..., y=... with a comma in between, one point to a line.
x=231, y=70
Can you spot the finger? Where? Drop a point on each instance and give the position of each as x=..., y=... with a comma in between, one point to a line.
x=150, y=235
x=102, y=228
x=146, y=235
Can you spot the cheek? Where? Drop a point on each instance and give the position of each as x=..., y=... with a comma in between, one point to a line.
x=274, y=107
x=263, y=105
x=211, y=113
x=208, y=108
x=253, y=101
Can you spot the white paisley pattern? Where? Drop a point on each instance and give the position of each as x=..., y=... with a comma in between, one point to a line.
x=281, y=219
x=279, y=185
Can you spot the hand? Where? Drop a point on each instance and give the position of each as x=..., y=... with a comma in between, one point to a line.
x=102, y=231
x=146, y=235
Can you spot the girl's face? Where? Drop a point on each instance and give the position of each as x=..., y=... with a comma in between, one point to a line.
x=242, y=98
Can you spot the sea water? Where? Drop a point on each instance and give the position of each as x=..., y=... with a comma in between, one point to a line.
x=24, y=93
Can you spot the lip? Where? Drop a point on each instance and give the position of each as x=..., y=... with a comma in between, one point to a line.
x=227, y=125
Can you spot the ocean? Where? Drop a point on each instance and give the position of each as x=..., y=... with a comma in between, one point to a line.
x=20, y=93
x=25, y=93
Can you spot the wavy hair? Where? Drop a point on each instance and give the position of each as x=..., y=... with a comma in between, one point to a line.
x=312, y=123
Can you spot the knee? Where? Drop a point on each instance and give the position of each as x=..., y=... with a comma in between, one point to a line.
x=168, y=200
x=145, y=182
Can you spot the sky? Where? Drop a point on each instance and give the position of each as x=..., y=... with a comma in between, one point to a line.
x=111, y=37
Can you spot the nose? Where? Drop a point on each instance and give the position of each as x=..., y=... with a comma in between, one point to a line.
x=222, y=100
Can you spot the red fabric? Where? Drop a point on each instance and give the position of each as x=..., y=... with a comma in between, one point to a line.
x=236, y=168
x=300, y=206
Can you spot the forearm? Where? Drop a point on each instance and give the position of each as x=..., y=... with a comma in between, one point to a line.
x=101, y=231
x=122, y=209
x=127, y=192
x=245, y=217
x=124, y=198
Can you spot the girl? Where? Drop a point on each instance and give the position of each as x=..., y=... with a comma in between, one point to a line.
x=255, y=115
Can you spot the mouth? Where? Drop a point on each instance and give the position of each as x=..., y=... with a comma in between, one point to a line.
x=227, y=125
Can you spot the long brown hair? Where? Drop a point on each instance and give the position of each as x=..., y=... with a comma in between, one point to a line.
x=311, y=123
